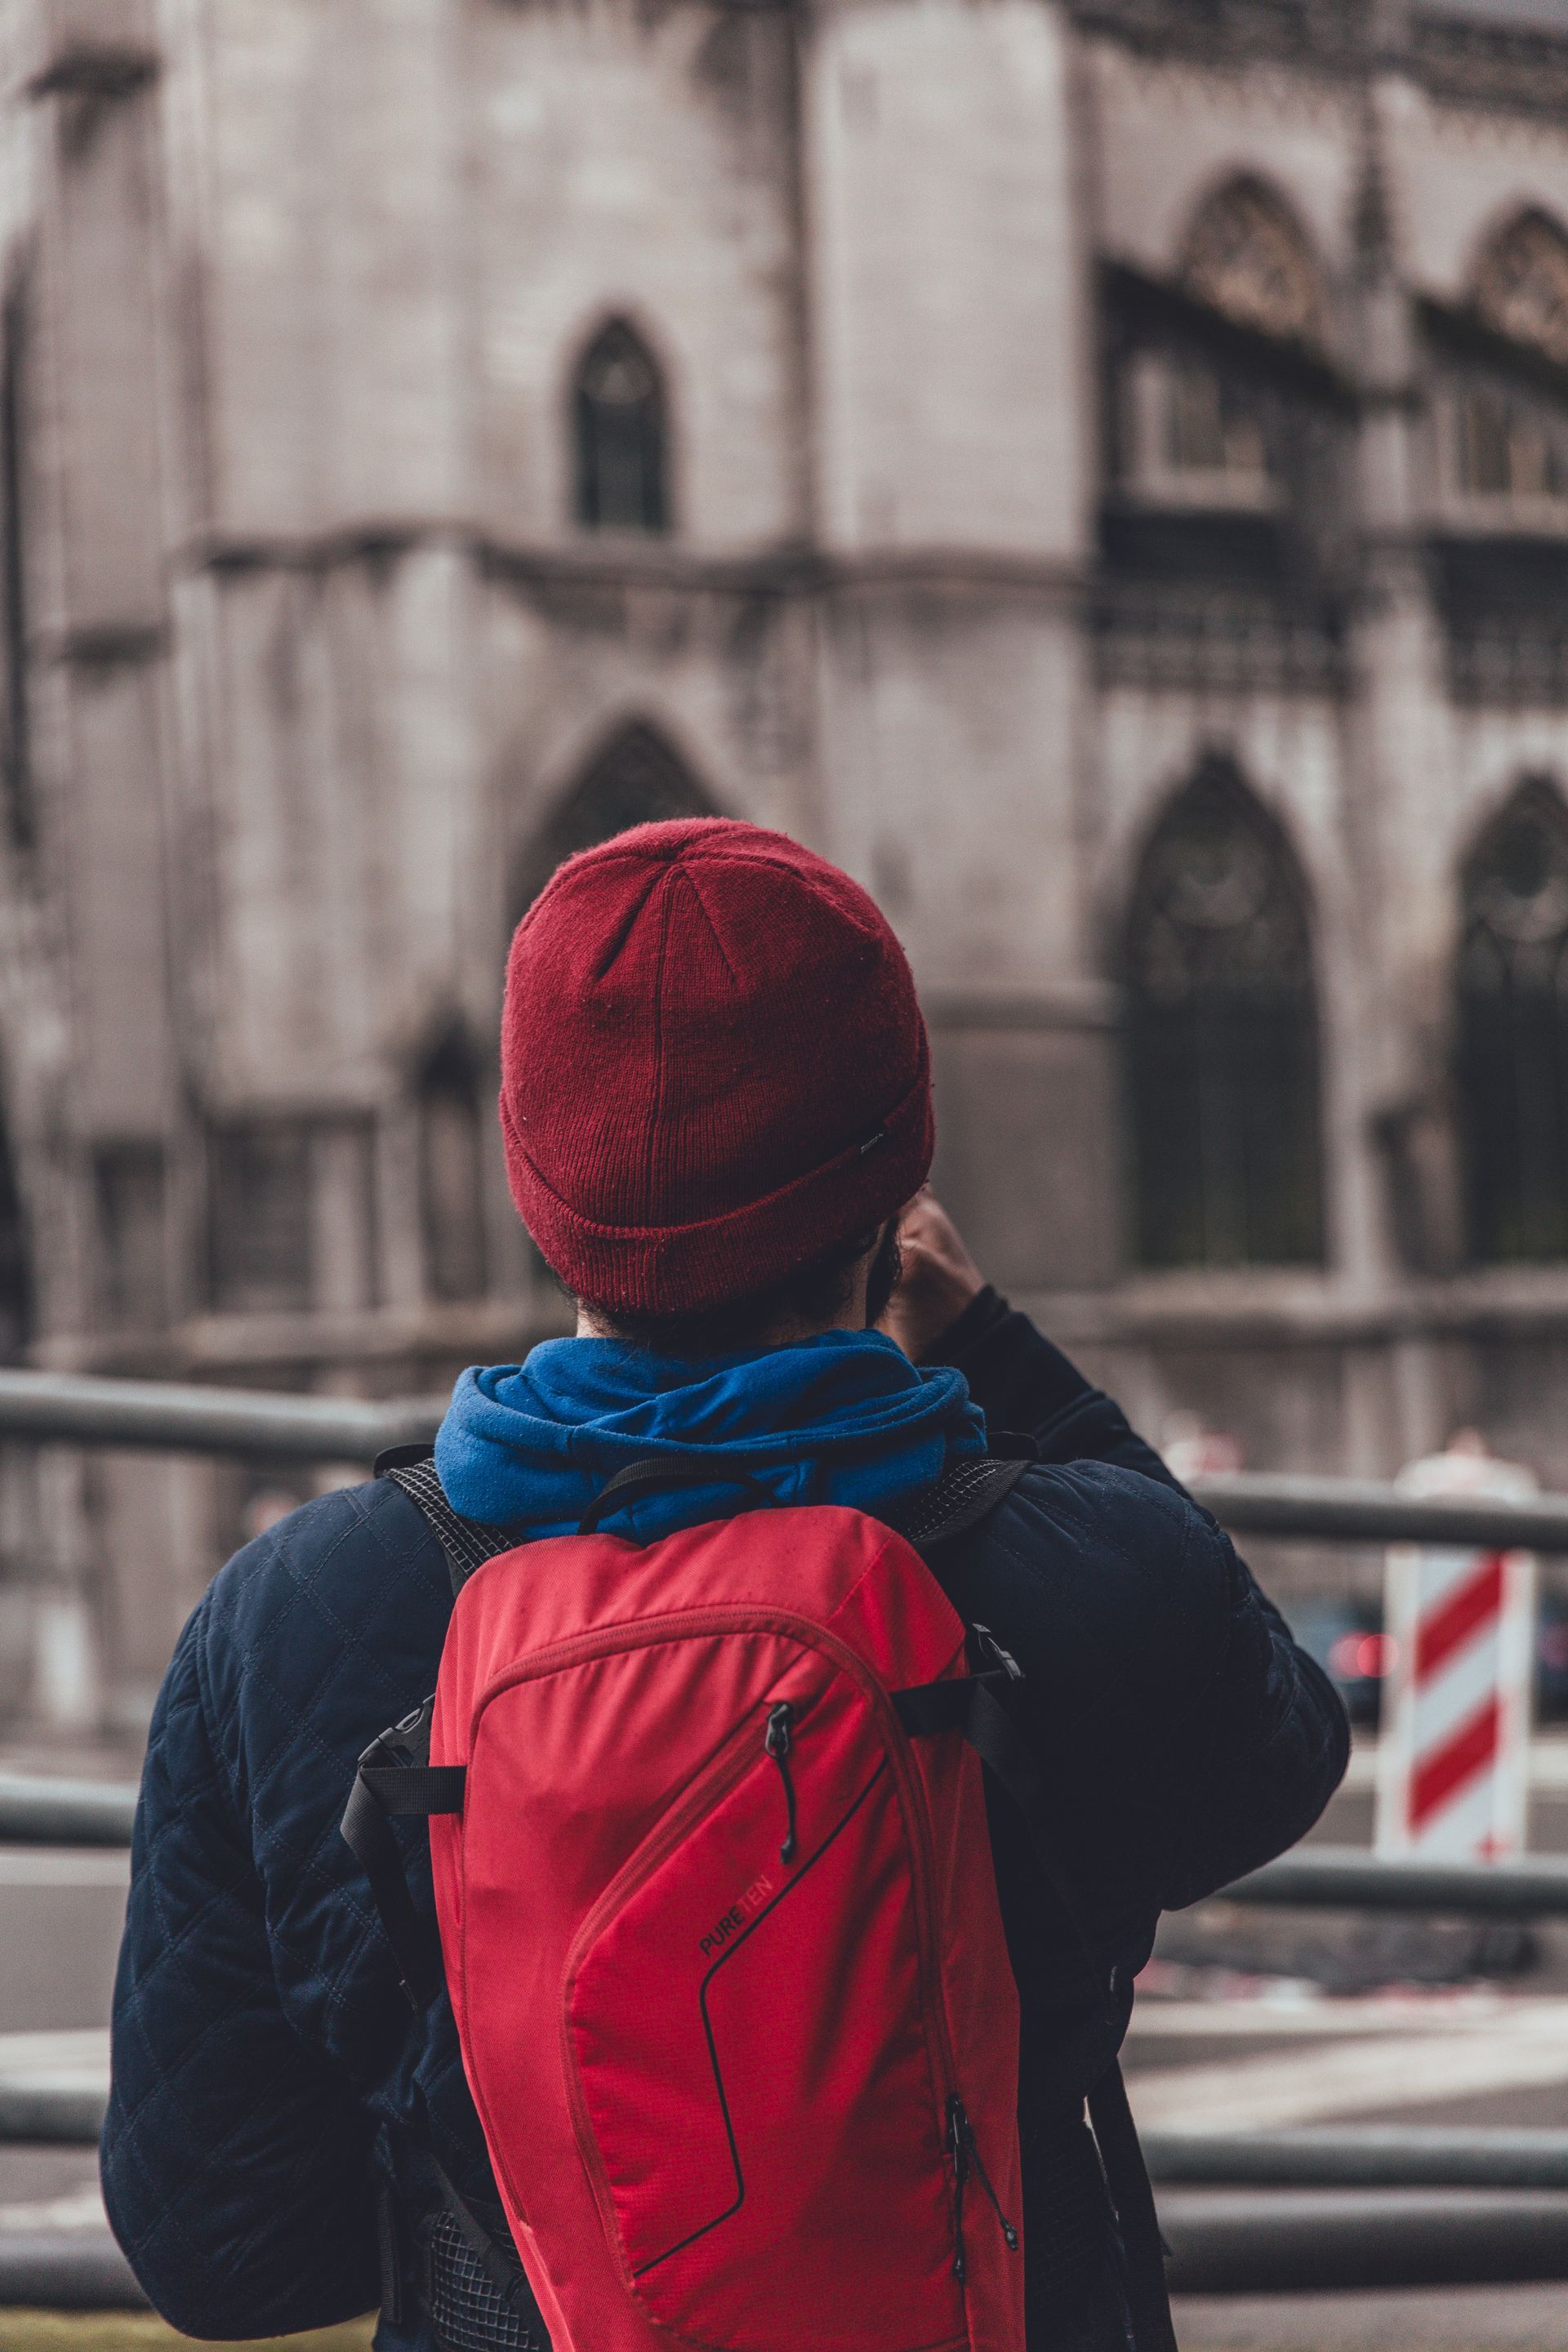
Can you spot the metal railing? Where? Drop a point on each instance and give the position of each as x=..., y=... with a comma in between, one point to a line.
x=258, y=1425
x=35, y=1811
x=1362, y=2156
x=1364, y=1511
x=1260, y=2209
x=1278, y=2241
x=1348, y=1878
x=35, y=2114
x=68, y=1409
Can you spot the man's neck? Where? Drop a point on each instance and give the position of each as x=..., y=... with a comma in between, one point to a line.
x=773, y=1335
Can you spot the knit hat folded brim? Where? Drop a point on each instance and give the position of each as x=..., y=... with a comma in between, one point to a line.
x=714, y=1069
x=640, y=1269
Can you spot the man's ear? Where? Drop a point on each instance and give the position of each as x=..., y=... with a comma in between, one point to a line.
x=882, y=1275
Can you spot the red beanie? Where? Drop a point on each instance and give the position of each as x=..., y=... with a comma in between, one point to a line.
x=713, y=1067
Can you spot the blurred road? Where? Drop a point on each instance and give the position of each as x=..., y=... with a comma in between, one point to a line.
x=1281, y=2051
x=59, y=1930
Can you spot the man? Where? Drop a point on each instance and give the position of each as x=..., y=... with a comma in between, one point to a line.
x=716, y=1106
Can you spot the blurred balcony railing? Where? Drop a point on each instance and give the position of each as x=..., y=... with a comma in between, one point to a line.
x=66, y=1408
x=1361, y=1511
x=253, y=1424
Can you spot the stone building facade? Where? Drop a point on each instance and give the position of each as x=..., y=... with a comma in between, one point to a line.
x=1099, y=472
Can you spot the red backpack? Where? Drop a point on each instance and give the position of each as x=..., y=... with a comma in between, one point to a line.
x=720, y=1926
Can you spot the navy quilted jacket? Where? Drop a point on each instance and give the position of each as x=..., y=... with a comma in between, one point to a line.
x=267, y=2071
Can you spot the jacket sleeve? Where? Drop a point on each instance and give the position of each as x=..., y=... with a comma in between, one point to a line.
x=1242, y=1735
x=1022, y=1382
x=235, y=2166
x=1263, y=1742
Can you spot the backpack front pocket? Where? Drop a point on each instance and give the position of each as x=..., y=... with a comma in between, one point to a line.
x=754, y=2052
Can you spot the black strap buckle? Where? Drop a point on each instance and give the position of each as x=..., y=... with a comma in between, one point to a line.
x=404, y=1742
x=991, y=1652
x=397, y=1781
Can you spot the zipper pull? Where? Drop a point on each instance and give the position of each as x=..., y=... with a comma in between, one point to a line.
x=1008, y=2231
x=777, y=1745
x=963, y=2133
x=958, y=2148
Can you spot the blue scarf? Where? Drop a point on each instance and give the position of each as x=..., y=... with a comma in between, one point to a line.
x=841, y=1418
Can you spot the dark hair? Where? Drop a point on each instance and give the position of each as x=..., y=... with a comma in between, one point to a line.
x=813, y=1294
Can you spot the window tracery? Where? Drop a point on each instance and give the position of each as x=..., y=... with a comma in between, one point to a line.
x=1246, y=257
x=1522, y=284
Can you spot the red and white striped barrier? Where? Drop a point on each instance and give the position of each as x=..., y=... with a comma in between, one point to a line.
x=1453, y=1759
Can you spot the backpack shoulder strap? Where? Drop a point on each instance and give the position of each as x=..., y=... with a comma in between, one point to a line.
x=965, y=1494
x=467, y=1543
x=395, y=1779
x=960, y=1499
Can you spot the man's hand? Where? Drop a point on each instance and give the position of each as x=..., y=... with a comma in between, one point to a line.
x=938, y=1280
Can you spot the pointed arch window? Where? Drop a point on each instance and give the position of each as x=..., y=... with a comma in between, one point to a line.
x=1513, y=1030
x=1208, y=418
x=454, y=1128
x=1504, y=417
x=1222, y=1038
x=637, y=778
x=622, y=432
x=1522, y=284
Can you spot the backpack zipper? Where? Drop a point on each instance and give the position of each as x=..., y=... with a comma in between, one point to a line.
x=965, y=2161
x=776, y=1742
x=708, y=1788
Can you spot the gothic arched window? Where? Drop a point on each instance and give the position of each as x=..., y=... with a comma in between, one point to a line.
x=455, y=1126
x=1522, y=284
x=1222, y=1038
x=1247, y=257
x=1207, y=416
x=1513, y=1030
x=636, y=779
x=621, y=431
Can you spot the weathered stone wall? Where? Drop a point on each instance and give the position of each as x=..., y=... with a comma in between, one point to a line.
x=1381, y=793
x=311, y=648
